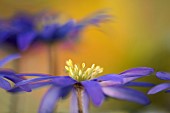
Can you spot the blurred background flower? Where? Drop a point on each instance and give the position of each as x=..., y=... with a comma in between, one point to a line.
x=139, y=36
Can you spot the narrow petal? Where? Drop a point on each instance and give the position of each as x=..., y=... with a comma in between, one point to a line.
x=126, y=94
x=129, y=79
x=140, y=71
x=109, y=83
x=163, y=75
x=94, y=91
x=32, y=86
x=8, y=59
x=95, y=18
x=159, y=88
x=4, y=84
x=49, y=100
x=111, y=77
x=85, y=102
x=33, y=74
x=25, y=39
x=140, y=84
x=168, y=91
x=64, y=81
x=15, y=79
x=74, y=104
x=6, y=72
x=33, y=80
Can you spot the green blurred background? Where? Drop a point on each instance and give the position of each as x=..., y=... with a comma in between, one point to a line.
x=139, y=35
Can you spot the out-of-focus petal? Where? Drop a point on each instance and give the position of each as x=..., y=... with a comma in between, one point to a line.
x=163, y=75
x=24, y=40
x=168, y=91
x=140, y=84
x=140, y=71
x=6, y=72
x=64, y=81
x=8, y=59
x=33, y=74
x=32, y=86
x=94, y=91
x=85, y=102
x=63, y=30
x=95, y=18
x=159, y=88
x=111, y=77
x=126, y=94
x=74, y=104
x=47, y=33
x=49, y=100
x=4, y=84
x=33, y=80
x=17, y=79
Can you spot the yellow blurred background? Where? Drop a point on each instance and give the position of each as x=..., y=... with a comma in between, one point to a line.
x=138, y=35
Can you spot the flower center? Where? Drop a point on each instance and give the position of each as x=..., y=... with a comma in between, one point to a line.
x=82, y=73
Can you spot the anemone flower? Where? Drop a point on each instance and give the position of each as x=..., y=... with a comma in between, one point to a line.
x=84, y=86
x=22, y=30
x=163, y=86
x=18, y=31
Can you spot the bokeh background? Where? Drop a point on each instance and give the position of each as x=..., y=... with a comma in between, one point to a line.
x=138, y=35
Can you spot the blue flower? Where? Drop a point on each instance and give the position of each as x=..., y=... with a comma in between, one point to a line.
x=19, y=32
x=22, y=30
x=163, y=86
x=84, y=86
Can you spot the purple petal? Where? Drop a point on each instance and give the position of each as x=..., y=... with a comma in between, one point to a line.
x=33, y=80
x=17, y=79
x=159, y=88
x=48, y=31
x=33, y=74
x=6, y=72
x=109, y=83
x=94, y=91
x=111, y=77
x=168, y=91
x=74, y=104
x=126, y=94
x=49, y=100
x=140, y=71
x=25, y=39
x=85, y=102
x=163, y=75
x=95, y=18
x=8, y=59
x=140, y=84
x=4, y=84
x=32, y=86
x=129, y=79
x=64, y=81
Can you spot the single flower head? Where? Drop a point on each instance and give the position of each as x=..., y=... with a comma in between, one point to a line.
x=84, y=85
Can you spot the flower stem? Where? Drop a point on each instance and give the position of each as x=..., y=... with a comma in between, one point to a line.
x=79, y=92
x=52, y=59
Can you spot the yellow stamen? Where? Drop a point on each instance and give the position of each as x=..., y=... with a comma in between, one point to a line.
x=81, y=74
